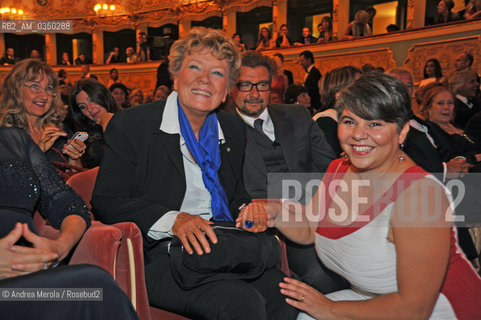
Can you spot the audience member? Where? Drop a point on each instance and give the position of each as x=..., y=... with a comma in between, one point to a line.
x=161, y=93
x=28, y=260
x=279, y=139
x=464, y=85
x=238, y=42
x=392, y=28
x=163, y=75
x=306, y=60
x=359, y=27
x=30, y=101
x=283, y=40
x=473, y=10
x=279, y=82
x=92, y=107
x=444, y=11
x=463, y=61
x=325, y=30
x=65, y=59
x=9, y=58
x=131, y=57
x=183, y=158
x=264, y=40
x=432, y=72
x=85, y=69
x=298, y=94
x=136, y=97
x=82, y=59
x=275, y=98
x=114, y=77
x=62, y=75
x=289, y=75
x=143, y=49
x=371, y=11
x=307, y=37
x=35, y=54
x=120, y=92
x=329, y=87
x=114, y=56
x=380, y=265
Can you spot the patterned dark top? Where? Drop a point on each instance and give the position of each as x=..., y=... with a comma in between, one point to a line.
x=29, y=182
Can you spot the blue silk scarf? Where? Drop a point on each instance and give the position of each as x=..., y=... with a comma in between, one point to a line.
x=207, y=155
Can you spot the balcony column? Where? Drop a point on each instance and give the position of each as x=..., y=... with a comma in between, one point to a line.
x=2, y=45
x=229, y=22
x=279, y=15
x=416, y=14
x=50, y=48
x=98, y=46
x=340, y=17
x=184, y=26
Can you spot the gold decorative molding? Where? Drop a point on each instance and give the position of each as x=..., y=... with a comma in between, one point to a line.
x=445, y=52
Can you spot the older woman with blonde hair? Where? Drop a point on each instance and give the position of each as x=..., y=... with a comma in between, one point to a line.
x=359, y=27
x=174, y=167
x=30, y=101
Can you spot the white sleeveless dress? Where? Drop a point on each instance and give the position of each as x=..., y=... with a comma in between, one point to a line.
x=365, y=257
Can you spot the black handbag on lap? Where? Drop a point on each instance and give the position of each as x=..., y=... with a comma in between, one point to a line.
x=238, y=254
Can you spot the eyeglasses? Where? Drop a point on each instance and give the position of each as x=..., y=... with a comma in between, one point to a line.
x=35, y=88
x=246, y=86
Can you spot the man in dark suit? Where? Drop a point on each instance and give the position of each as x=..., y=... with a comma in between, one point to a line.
x=306, y=60
x=464, y=85
x=280, y=139
x=153, y=172
x=307, y=38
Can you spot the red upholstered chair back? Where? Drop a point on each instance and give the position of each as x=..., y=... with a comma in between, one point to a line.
x=129, y=261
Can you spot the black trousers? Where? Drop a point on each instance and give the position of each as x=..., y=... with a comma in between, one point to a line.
x=303, y=261
x=114, y=305
x=224, y=299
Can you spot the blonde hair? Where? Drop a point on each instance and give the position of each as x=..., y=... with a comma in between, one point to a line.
x=220, y=44
x=12, y=109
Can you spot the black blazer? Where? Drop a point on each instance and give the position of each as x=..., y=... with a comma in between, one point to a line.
x=142, y=173
x=462, y=113
x=311, y=84
x=303, y=144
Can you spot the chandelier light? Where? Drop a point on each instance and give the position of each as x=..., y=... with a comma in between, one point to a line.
x=10, y=13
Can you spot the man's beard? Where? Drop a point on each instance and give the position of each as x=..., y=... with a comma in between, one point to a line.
x=252, y=113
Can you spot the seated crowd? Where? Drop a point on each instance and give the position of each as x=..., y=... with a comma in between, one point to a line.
x=197, y=159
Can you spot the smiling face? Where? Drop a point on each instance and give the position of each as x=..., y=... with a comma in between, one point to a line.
x=36, y=104
x=90, y=109
x=119, y=96
x=442, y=108
x=201, y=83
x=253, y=102
x=371, y=145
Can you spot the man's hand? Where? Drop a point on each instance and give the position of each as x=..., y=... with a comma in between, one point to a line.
x=192, y=232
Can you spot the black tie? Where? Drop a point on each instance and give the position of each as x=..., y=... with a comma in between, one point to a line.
x=258, y=125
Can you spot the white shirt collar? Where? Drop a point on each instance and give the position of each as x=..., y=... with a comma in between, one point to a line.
x=464, y=100
x=310, y=67
x=170, y=118
x=250, y=120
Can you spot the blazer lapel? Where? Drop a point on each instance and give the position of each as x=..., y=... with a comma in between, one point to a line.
x=168, y=143
x=285, y=137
